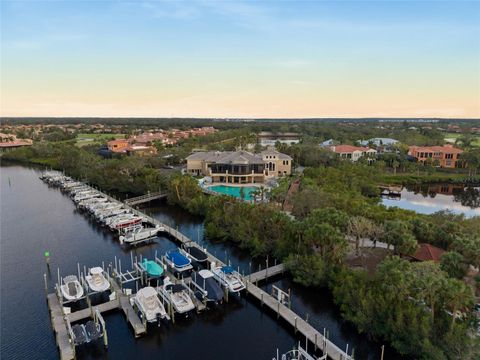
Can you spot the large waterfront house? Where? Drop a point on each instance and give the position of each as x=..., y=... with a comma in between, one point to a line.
x=444, y=156
x=239, y=167
x=353, y=153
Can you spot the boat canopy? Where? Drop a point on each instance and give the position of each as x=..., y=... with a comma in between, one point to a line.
x=177, y=258
x=147, y=292
x=227, y=269
x=152, y=268
x=196, y=253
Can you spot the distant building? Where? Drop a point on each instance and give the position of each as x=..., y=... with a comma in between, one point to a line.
x=239, y=167
x=10, y=141
x=379, y=142
x=447, y=156
x=328, y=142
x=118, y=146
x=353, y=153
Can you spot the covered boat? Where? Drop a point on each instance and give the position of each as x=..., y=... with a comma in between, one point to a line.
x=178, y=261
x=152, y=268
x=71, y=289
x=96, y=280
x=149, y=304
x=194, y=253
x=228, y=277
x=208, y=288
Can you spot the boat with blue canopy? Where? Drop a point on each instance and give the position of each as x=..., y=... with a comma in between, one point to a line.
x=228, y=277
x=178, y=261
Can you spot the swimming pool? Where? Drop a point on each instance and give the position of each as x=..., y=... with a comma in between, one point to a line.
x=234, y=191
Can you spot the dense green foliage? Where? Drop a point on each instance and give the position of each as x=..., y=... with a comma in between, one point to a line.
x=135, y=175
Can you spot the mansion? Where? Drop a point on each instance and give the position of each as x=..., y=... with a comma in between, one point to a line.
x=239, y=167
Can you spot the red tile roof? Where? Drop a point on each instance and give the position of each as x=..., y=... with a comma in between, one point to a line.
x=440, y=149
x=427, y=252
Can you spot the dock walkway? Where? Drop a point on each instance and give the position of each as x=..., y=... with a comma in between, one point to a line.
x=67, y=350
x=145, y=198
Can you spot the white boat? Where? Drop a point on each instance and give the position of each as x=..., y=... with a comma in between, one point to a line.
x=177, y=295
x=104, y=216
x=125, y=222
x=96, y=280
x=71, y=289
x=139, y=234
x=228, y=277
x=149, y=304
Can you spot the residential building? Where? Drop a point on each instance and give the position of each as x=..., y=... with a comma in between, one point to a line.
x=427, y=252
x=353, y=153
x=118, y=146
x=445, y=156
x=239, y=167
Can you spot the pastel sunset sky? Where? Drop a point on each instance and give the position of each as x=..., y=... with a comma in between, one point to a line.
x=240, y=58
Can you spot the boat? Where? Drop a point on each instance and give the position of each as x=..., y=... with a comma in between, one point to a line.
x=194, y=253
x=176, y=260
x=96, y=280
x=139, y=234
x=152, y=268
x=208, y=287
x=79, y=334
x=94, y=330
x=126, y=222
x=297, y=354
x=71, y=288
x=228, y=277
x=177, y=295
x=149, y=304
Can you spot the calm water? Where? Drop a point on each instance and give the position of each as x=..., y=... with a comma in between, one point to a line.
x=36, y=218
x=427, y=199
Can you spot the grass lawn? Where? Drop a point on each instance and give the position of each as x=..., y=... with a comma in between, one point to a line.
x=476, y=141
x=85, y=139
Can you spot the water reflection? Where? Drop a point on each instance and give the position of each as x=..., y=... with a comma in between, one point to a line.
x=427, y=199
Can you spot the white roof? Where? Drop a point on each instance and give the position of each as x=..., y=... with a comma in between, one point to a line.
x=147, y=291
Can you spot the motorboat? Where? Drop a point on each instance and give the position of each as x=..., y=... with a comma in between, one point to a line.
x=79, y=334
x=103, y=215
x=177, y=295
x=96, y=280
x=71, y=289
x=176, y=260
x=194, y=253
x=126, y=222
x=149, y=304
x=228, y=277
x=208, y=288
x=152, y=268
x=139, y=234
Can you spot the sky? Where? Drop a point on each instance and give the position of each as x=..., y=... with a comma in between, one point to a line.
x=248, y=59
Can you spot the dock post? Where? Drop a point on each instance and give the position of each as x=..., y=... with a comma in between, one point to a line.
x=289, y=300
x=306, y=318
x=278, y=310
x=261, y=296
x=353, y=353
x=295, y=324
x=45, y=281
x=315, y=342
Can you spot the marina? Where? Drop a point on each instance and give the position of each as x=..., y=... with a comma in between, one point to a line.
x=120, y=331
x=176, y=294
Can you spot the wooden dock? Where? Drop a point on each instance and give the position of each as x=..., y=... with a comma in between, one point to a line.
x=266, y=273
x=145, y=198
x=59, y=318
x=299, y=324
x=59, y=324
